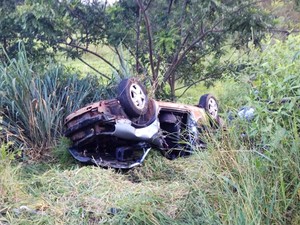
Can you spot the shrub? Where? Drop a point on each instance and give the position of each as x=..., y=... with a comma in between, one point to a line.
x=254, y=174
x=34, y=101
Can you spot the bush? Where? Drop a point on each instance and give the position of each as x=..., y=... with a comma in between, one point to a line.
x=34, y=101
x=254, y=174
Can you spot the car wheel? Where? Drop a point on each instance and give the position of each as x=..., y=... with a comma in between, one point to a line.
x=210, y=104
x=133, y=97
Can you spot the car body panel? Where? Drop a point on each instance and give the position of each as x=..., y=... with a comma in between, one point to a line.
x=198, y=113
x=124, y=129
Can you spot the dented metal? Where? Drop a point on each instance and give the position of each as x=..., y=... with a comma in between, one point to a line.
x=103, y=134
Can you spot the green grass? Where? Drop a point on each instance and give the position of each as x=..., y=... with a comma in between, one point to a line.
x=192, y=95
x=220, y=185
x=239, y=179
x=94, y=61
x=90, y=194
x=35, y=101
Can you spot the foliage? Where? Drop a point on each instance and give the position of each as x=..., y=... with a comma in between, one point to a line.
x=248, y=175
x=49, y=27
x=7, y=26
x=34, y=24
x=60, y=153
x=34, y=102
x=286, y=17
x=179, y=43
x=182, y=40
x=275, y=92
x=256, y=167
x=6, y=153
x=168, y=41
x=10, y=186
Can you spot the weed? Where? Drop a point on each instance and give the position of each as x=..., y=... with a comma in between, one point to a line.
x=61, y=153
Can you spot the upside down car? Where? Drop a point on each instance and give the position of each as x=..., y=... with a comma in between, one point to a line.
x=120, y=132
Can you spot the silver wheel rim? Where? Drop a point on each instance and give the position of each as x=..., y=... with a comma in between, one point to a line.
x=212, y=108
x=137, y=96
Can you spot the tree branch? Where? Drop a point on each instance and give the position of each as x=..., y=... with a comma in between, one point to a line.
x=183, y=39
x=208, y=76
x=149, y=33
x=102, y=74
x=148, y=5
x=81, y=19
x=133, y=55
x=170, y=7
x=137, y=44
x=286, y=32
x=189, y=86
x=202, y=34
x=93, y=53
x=119, y=57
x=178, y=60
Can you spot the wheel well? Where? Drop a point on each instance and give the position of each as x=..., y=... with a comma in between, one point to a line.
x=174, y=126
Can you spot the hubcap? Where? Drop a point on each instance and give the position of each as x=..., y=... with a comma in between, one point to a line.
x=137, y=96
x=213, y=108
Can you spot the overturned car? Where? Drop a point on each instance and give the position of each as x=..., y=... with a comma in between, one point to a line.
x=120, y=132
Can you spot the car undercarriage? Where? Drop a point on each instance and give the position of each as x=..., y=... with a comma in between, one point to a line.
x=120, y=132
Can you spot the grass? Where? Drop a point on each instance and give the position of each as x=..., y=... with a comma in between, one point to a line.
x=192, y=95
x=92, y=194
x=34, y=102
x=220, y=185
x=248, y=174
x=93, y=60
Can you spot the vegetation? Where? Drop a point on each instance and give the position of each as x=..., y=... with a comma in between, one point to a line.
x=34, y=100
x=168, y=41
x=248, y=175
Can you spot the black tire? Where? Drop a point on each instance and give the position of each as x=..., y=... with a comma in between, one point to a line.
x=210, y=104
x=133, y=97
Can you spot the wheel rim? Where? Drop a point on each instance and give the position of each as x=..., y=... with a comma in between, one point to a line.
x=212, y=107
x=137, y=96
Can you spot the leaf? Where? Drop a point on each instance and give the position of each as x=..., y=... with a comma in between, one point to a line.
x=296, y=56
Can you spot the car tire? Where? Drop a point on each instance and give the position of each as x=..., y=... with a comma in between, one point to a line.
x=210, y=104
x=133, y=97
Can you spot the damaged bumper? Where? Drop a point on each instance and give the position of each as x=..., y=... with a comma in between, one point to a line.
x=102, y=134
x=120, y=160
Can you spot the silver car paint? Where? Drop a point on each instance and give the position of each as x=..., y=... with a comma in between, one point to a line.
x=124, y=129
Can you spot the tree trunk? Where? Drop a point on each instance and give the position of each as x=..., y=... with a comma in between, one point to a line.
x=172, y=86
x=137, y=44
x=150, y=38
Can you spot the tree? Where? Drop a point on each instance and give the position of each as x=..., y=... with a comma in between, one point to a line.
x=170, y=39
x=8, y=26
x=48, y=27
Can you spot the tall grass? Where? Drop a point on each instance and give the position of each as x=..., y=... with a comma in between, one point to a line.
x=34, y=101
x=10, y=183
x=248, y=175
x=255, y=165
